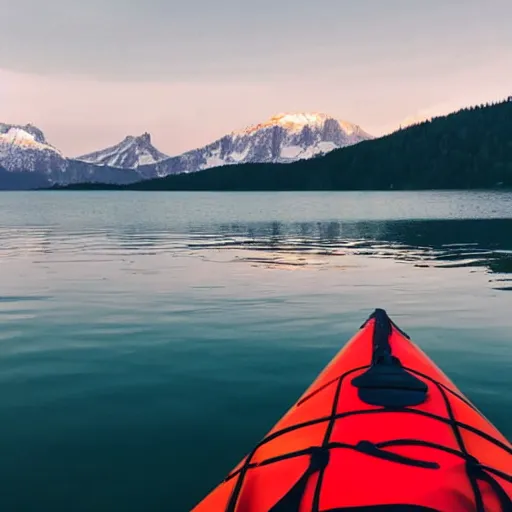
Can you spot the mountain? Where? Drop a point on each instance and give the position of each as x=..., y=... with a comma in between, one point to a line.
x=25, y=149
x=283, y=138
x=128, y=154
x=33, y=163
x=469, y=149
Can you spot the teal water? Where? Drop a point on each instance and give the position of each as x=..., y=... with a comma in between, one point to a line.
x=148, y=340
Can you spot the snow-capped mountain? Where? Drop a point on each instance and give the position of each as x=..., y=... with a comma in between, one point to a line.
x=128, y=154
x=283, y=138
x=24, y=150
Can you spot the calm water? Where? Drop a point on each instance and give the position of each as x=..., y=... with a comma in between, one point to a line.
x=148, y=340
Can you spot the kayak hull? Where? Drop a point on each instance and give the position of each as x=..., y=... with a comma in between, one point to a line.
x=381, y=426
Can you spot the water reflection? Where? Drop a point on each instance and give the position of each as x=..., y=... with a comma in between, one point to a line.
x=484, y=244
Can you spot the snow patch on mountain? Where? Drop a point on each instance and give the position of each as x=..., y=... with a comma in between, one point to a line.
x=290, y=152
x=130, y=153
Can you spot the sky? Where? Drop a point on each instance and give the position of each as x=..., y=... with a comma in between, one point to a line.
x=90, y=73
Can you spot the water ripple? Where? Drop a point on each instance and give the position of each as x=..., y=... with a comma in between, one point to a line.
x=276, y=245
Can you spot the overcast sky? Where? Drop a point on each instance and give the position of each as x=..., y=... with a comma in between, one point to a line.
x=90, y=72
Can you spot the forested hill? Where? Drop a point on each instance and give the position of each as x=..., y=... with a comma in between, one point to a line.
x=471, y=148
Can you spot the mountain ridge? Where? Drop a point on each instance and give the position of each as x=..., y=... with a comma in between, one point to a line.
x=283, y=138
x=468, y=149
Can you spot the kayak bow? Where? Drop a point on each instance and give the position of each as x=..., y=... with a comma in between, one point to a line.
x=382, y=428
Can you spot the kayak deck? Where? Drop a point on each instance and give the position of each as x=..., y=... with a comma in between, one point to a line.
x=381, y=427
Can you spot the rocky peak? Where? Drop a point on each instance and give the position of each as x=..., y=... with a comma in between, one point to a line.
x=130, y=153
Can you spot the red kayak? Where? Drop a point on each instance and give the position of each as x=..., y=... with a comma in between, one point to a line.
x=380, y=429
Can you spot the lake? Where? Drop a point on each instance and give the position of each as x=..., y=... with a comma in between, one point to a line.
x=149, y=340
